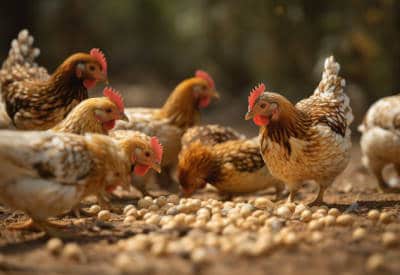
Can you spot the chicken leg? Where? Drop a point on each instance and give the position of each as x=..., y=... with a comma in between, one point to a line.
x=319, y=200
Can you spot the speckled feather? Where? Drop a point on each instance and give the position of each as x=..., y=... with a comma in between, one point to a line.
x=210, y=135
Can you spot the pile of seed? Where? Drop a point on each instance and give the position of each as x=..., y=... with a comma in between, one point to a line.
x=243, y=227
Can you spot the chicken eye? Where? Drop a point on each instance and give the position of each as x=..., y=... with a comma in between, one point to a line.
x=263, y=105
x=92, y=68
x=197, y=88
x=147, y=154
x=138, y=151
x=108, y=110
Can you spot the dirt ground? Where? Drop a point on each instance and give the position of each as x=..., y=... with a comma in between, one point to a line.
x=337, y=253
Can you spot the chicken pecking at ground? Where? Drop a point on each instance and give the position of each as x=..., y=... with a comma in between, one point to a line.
x=35, y=100
x=223, y=158
x=94, y=115
x=380, y=140
x=307, y=141
x=46, y=174
x=168, y=123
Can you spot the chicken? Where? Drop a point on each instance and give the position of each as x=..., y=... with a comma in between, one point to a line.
x=141, y=170
x=94, y=115
x=46, y=174
x=380, y=140
x=307, y=141
x=180, y=111
x=35, y=100
x=224, y=158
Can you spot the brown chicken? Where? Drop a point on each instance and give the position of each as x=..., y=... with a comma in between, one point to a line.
x=180, y=111
x=380, y=140
x=223, y=158
x=94, y=115
x=46, y=174
x=307, y=141
x=35, y=100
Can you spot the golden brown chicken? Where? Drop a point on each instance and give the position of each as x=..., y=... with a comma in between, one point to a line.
x=46, y=174
x=223, y=158
x=35, y=100
x=94, y=115
x=307, y=141
x=180, y=111
x=380, y=140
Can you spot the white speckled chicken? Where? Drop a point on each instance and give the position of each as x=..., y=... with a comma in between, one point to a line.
x=380, y=140
x=46, y=174
x=35, y=100
x=307, y=141
x=223, y=158
x=180, y=111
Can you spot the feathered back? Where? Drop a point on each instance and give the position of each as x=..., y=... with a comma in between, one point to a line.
x=210, y=135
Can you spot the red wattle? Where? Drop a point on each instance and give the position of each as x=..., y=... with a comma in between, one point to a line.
x=261, y=120
x=111, y=188
x=141, y=169
x=108, y=125
x=89, y=83
x=204, y=102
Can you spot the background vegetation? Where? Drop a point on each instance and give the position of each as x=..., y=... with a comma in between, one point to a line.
x=239, y=42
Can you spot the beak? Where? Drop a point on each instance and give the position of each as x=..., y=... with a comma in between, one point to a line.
x=124, y=117
x=102, y=77
x=214, y=94
x=156, y=167
x=249, y=115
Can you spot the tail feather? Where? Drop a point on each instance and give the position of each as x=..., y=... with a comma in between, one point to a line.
x=20, y=63
x=332, y=87
x=331, y=82
x=22, y=51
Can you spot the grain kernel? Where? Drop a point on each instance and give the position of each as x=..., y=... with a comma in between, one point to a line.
x=344, y=219
x=385, y=217
x=389, y=239
x=334, y=212
x=94, y=209
x=359, y=234
x=306, y=215
x=74, y=252
x=54, y=245
x=104, y=215
x=373, y=215
x=375, y=262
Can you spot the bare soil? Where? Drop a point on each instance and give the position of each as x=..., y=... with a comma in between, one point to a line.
x=24, y=252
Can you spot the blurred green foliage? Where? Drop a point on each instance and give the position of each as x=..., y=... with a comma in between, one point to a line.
x=239, y=42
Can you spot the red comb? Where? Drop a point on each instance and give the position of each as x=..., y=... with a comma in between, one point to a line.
x=99, y=55
x=115, y=97
x=157, y=148
x=255, y=93
x=204, y=75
